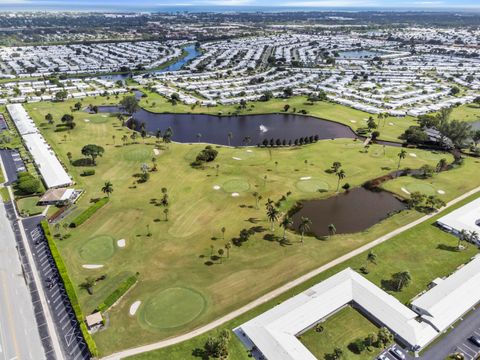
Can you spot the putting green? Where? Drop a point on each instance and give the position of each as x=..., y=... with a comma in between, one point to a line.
x=98, y=119
x=312, y=185
x=236, y=185
x=171, y=308
x=426, y=189
x=138, y=154
x=98, y=249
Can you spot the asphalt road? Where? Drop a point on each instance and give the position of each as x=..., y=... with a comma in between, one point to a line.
x=19, y=332
x=12, y=163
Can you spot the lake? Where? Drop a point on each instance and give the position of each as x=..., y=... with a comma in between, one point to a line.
x=359, y=54
x=350, y=212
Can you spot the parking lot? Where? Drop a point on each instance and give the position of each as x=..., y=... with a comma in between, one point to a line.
x=12, y=163
x=73, y=344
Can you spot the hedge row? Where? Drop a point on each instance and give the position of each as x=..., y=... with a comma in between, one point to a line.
x=84, y=216
x=69, y=288
x=118, y=293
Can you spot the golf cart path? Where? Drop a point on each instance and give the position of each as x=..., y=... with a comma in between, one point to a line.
x=282, y=289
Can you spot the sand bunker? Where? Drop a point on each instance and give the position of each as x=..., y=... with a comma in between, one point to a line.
x=306, y=178
x=121, y=243
x=353, y=121
x=405, y=191
x=391, y=124
x=134, y=307
x=249, y=151
x=216, y=187
x=236, y=158
x=441, y=192
x=92, y=266
x=87, y=120
x=413, y=155
x=156, y=151
x=235, y=194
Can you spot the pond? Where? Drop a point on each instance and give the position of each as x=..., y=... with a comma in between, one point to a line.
x=192, y=53
x=215, y=129
x=350, y=212
x=359, y=54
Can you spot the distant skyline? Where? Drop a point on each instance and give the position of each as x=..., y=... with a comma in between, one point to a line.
x=179, y=5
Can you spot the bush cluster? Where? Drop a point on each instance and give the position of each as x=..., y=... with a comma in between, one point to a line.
x=27, y=183
x=85, y=215
x=118, y=293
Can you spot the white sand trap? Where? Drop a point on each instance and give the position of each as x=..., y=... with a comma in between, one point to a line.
x=235, y=194
x=134, y=307
x=441, y=192
x=216, y=187
x=236, y=158
x=249, y=151
x=306, y=178
x=391, y=124
x=104, y=116
x=87, y=120
x=92, y=266
x=121, y=243
x=413, y=155
x=353, y=121
x=156, y=151
x=405, y=191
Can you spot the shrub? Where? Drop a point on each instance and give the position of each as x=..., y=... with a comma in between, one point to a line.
x=118, y=293
x=207, y=155
x=28, y=184
x=88, y=172
x=84, y=216
x=69, y=288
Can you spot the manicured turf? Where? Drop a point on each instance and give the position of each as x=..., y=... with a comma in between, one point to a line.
x=421, y=187
x=340, y=330
x=312, y=185
x=171, y=308
x=138, y=155
x=29, y=206
x=179, y=250
x=99, y=248
x=236, y=185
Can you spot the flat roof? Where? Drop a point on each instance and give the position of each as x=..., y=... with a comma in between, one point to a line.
x=466, y=218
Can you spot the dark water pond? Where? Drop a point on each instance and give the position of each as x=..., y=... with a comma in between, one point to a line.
x=359, y=54
x=350, y=212
x=215, y=129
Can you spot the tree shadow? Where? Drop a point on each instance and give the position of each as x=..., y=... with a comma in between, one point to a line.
x=389, y=285
x=200, y=353
x=447, y=247
x=253, y=220
x=83, y=162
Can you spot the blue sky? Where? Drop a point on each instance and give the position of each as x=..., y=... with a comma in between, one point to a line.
x=126, y=4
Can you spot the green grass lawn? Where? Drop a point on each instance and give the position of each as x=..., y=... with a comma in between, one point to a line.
x=177, y=254
x=339, y=331
x=467, y=112
x=390, y=128
x=28, y=205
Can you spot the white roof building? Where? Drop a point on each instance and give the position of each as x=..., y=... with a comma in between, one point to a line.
x=465, y=218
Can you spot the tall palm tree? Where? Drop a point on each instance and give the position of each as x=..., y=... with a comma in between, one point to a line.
x=304, y=226
x=285, y=224
x=227, y=247
x=165, y=211
x=340, y=175
x=199, y=136
x=473, y=237
x=272, y=215
x=229, y=137
x=401, y=155
x=462, y=237
x=371, y=258
x=403, y=279
x=256, y=195
x=107, y=188
x=332, y=230
x=124, y=139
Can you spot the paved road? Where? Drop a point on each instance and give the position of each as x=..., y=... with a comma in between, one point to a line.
x=19, y=331
x=67, y=327
x=273, y=294
x=12, y=163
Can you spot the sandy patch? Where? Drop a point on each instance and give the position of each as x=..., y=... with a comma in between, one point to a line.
x=391, y=124
x=87, y=120
x=156, y=151
x=235, y=194
x=121, y=243
x=405, y=191
x=236, y=158
x=353, y=121
x=441, y=192
x=249, y=151
x=306, y=178
x=413, y=155
x=104, y=116
x=134, y=307
x=92, y=266
x=216, y=187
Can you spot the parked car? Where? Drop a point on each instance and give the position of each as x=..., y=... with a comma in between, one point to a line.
x=397, y=353
x=382, y=357
x=474, y=340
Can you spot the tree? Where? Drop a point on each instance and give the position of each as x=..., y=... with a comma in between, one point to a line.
x=229, y=137
x=401, y=155
x=220, y=254
x=107, y=188
x=332, y=230
x=441, y=165
x=68, y=120
x=337, y=353
x=88, y=284
x=416, y=199
x=61, y=95
x=462, y=237
x=304, y=226
x=256, y=195
x=401, y=279
x=371, y=258
x=93, y=151
x=336, y=166
x=385, y=337
x=165, y=212
x=285, y=224
x=340, y=175
x=371, y=123
x=371, y=339
x=272, y=213
x=49, y=118
x=125, y=139
x=223, y=229
x=69, y=156
x=129, y=104
x=227, y=247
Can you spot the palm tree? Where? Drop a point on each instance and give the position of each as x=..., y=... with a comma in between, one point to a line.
x=199, y=136
x=401, y=155
x=223, y=229
x=332, y=230
x=217, y=167
x=462, y=236
x=165, y=211
x=227, y=247
x=336, y=166
x=107, y=188
x=473, y=237
x=285, y=224
x=272, y=214
x=340, y=175
x=69, y=156
x=113, y=138
x=403, y=279
x=256, y=196
x=124, y=139
x=304, y=226
x=88, y=284
x=229, y=137
x=371, y=258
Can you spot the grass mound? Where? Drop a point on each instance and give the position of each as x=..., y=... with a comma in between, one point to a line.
x=236, y=185
x=171, y=308
x=98, y=248
x=312, y=185
x=420, y=187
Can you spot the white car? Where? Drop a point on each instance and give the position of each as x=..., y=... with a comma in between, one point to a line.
x=397, y=353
